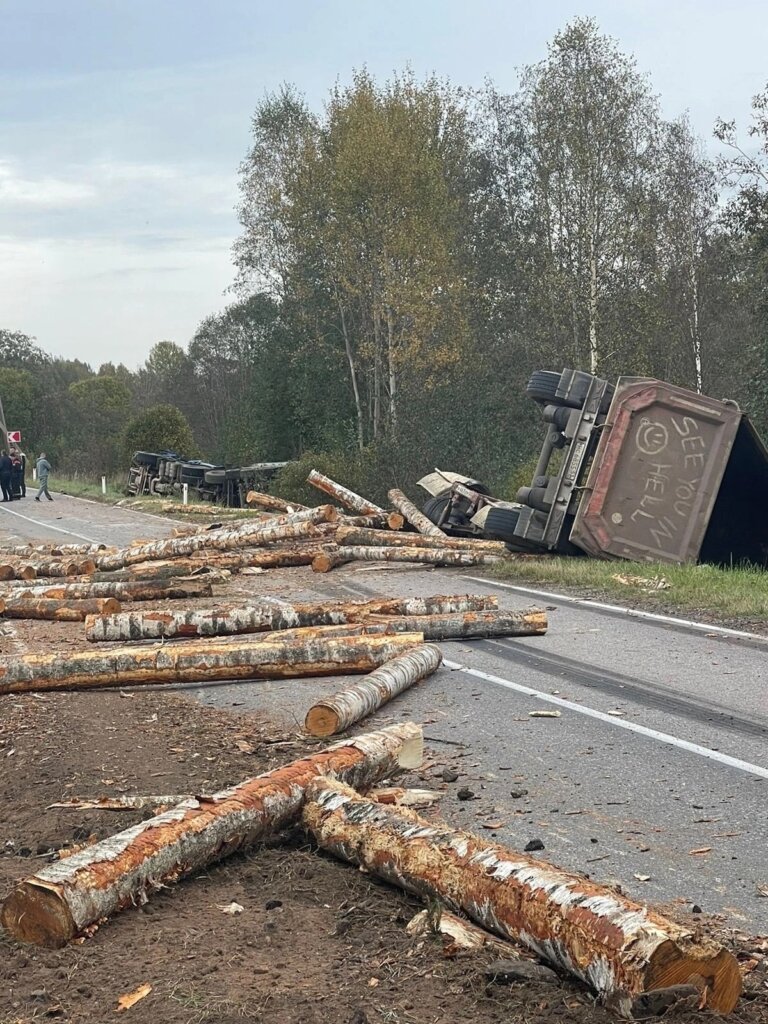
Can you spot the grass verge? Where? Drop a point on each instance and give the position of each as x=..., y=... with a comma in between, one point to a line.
x=199, y=511
x=736, y=595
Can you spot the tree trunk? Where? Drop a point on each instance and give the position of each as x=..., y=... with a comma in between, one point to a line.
x=200, y=661
x=413, y=515
x=353, y=536
x=335, y=714
x=343, y=494
x=138, y=590
x=53, y=568
x=604, y=939
x=353, y=376
x=201, y=563
x=67, y=610
x=68, y=897
x=379, y=521
x=17, y=572
x=50, y=550
x=272, y=504
x=297, y=524
x=469, y=625
x=267, y=614
x=331, y=557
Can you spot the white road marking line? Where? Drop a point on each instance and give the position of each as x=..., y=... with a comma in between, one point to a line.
x=635, y=613
x=619, y=723
x=48, y=526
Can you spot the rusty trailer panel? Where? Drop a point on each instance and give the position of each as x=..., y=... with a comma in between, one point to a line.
x=656, y=473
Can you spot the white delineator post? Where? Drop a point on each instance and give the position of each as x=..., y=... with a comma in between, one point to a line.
x=185, y=494
x=103, y=485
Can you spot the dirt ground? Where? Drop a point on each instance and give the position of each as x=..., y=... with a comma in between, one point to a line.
x=317, y=941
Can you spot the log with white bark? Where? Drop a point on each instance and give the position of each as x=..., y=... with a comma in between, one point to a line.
x=72, y=896
x=469, y=625
x=379, y=521
x=269, y=613
x=55, y=568
x=601, y=937
x=49, y=550
x=414, y=516
x=338, y=712
x=350, y=536
x=343, y=494
x=202, y=661
x=15, y=571
x=249, y=534
x=55, y=610
x=272, y=504
x=341, y=554
x=135, y=590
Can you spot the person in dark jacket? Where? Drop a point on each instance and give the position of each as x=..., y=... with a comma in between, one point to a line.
x=6, y=468
x=18, y=461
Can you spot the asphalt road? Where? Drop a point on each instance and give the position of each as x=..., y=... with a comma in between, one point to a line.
x=660, y=748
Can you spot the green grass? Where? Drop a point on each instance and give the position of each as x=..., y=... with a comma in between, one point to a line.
x=737, y=595
x=79, y=487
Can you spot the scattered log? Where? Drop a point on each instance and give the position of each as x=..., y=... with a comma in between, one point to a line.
x=268, y=614
x=379, y=521
x=343, y=495
x=332, y=557
x=58, y=610
x=350, y=536
x=119, y=803
x=200, y=661
x=68, y=897
x=156, y=570
x=34, y=551
x=129, y=590
x=198, y=508
x=272, y=504
x=470, y=625
x=13, y=571
x=54, y=567
x=605, y=939
x=289, y=527
x=335, y=714
x=415, y=517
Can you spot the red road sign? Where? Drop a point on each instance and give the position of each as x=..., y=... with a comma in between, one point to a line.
x=14, y=437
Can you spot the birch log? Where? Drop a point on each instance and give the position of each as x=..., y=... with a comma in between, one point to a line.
x=335, y=714
x=343, y=494
x=75, y=894
x=380, y=521
x=136, y=590
x=351, y=536
x=200, y=661
x=59, y=610
x=250, y=534
x=469, y=625
x=58, y=567
x=416, y=518
x=14, y=571
x=268, y=613
x=331, y=557
x=49, y=550
x=603, y=938
x=272, y=504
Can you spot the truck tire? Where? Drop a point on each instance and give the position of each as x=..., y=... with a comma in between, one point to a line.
x=500, y=524
x=542, y=387
x=434, y=507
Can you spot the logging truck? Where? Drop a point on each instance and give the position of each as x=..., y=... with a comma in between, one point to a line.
x=167, y=473
x=640, y=470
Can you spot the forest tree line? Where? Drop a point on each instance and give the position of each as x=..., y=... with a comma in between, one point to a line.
x=412, y=252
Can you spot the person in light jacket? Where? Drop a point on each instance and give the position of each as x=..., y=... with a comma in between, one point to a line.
x=43, y=470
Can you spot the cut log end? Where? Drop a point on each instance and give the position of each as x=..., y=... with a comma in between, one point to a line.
x=36, y=913
x=321, y=721
x=395, y=521
x=709, y=967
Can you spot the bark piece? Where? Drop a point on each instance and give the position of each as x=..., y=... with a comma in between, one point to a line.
x=129, y=590
x=402, y=797
x=272, y=504
x=343, y=494
x=458, y=934
x=70, y=896
x=507, y=972
x=470, y=625
x=335, y=714
x=288, y=527
x=201, y=661
x=332, y=557
x=268, y=614
x=599, y=936
x=415, y=517
x=351, y=536
x=119, y=803
x=55, y=610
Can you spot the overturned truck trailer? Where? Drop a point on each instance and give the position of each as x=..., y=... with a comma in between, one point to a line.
x=640, y=470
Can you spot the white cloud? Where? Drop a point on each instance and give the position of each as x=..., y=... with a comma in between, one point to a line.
x=17, y=190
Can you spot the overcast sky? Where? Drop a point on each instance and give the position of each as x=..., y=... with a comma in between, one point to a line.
x=123, y=122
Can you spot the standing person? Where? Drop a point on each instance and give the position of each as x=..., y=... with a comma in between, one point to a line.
x=6, y=468
x=43, y=469
x=17, y=474
x=23, y=480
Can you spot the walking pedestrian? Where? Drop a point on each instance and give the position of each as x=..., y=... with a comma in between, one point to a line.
x=43, y=469
x=6, y=468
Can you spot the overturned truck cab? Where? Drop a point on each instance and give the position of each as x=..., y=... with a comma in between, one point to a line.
x=643, y=470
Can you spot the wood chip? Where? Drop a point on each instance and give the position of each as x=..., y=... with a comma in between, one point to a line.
x=699, y=851
x=492, y=824
x=643, y=878
x=543, y=714
x=230, y=908
x=130, y=999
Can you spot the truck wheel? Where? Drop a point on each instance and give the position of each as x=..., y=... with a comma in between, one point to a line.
x=500, y=524
x=542, y=387
x=434, y=507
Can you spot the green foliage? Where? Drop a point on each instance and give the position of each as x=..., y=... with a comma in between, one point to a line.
x=160, y=428
x=100, y=407
x=19, y=397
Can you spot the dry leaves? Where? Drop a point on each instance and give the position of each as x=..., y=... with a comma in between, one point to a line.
x=125, y=1002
